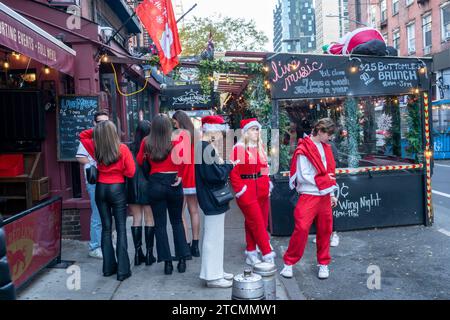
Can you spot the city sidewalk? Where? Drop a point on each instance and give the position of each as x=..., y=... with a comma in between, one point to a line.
x=147, y=282
x=398, y=263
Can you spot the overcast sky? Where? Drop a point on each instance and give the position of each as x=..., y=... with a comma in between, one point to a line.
x=261, y=11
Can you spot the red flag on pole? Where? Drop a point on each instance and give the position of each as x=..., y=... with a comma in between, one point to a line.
x=159, y=20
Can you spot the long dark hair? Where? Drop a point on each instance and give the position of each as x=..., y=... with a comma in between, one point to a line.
x=107, y=143
x=185, y=123
x=159, y=143
x=142, y=130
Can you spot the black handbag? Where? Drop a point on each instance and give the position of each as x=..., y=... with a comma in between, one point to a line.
x=91, y=174
x=223, y=195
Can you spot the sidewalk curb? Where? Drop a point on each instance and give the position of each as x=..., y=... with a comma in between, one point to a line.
x=290, y=285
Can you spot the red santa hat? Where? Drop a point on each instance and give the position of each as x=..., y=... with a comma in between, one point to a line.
x=213, y=123
x=248, y=123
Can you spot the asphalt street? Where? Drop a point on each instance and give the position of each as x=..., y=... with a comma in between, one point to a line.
x=412, y=262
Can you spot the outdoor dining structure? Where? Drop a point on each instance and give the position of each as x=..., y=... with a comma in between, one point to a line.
x=382, y=110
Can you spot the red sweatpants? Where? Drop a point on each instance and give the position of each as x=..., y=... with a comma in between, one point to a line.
x=308, y=209
x=256, y=217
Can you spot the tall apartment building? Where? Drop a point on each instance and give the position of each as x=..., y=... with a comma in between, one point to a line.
x=294, y=26
x=331, y=21
x=415, y=28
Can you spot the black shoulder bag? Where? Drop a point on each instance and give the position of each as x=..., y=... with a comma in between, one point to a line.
x=91, y=174
x=223, y=195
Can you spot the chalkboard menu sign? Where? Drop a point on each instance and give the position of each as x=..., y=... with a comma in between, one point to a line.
x=294, y=76
x=364, y=201
x=75, y=114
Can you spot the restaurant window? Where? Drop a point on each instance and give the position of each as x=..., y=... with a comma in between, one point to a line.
x=383, y=10
x=370, y=131
x=373, y=15
x=411, y=36
x=445, y=22
x=426, y=32
x=132, y=109
x=396, y=39
x=394, y=7
x=18, y=78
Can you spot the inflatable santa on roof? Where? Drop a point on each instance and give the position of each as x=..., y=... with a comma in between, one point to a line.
x=365, y=41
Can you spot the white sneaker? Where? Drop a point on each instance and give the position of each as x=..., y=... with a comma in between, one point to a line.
x=219, y=283
x=287, y=271
x=228, y=276
x=252, y=258
x=334, y=242
x=96, y=253
x=324, y=272
x=270, y=257
x=334, y=239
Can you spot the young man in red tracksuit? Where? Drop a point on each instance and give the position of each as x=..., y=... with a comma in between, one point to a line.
x=313, y=175
x=251, y=182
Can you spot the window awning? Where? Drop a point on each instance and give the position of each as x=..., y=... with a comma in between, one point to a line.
x=21, y=35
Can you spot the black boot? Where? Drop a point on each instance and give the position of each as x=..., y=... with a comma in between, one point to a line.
x=168, y=267
x=139, y=257
x=181, y=265
x=194, y=249
x=149, y=233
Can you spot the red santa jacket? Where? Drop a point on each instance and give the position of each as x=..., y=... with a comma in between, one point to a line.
x=307, y=148
x=251, y=163
x=114, y=173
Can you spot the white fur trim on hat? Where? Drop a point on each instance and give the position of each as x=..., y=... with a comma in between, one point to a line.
x=251, y=124
x=214, y=127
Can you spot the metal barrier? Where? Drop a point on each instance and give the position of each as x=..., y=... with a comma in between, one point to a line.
x=33, y=239
x=441, y=145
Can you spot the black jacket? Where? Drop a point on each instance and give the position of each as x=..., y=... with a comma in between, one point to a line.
x=7, y=291
x=209, y=175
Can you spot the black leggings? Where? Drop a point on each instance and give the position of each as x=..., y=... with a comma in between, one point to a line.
x=111, y=201
x=163, y=198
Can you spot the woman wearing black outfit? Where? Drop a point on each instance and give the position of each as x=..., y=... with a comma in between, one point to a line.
x=166, y=192
x=114, y=163
x=139, y=205
x=211, y=173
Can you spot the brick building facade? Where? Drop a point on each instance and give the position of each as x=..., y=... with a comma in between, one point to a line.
x=415, y=28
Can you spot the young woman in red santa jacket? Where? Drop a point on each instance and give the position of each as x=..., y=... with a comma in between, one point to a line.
x=186, y=136
x=114, y=163
x=251, y=182
x=166, y=192
x=313, y=176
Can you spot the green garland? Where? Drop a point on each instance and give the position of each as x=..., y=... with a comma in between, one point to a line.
x=208, y=67
x=352, y=125
x=413, y=135
x=394, y=139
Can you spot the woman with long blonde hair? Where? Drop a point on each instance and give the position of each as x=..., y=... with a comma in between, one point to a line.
x=251, y=182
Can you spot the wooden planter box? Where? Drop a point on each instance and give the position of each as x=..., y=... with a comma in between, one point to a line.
x=40, y=189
